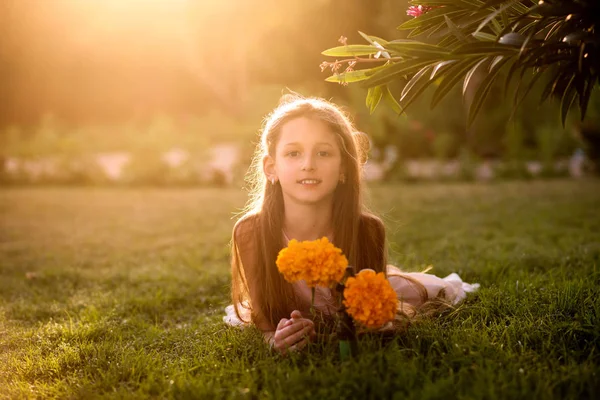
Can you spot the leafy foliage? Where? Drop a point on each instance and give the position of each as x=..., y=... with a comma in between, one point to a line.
x=555, y=43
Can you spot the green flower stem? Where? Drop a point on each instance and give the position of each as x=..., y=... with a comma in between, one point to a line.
x=312, y=303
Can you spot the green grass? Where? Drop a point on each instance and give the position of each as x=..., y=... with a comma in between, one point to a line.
x=119, y=293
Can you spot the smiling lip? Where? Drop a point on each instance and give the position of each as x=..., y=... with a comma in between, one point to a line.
x=309, y=181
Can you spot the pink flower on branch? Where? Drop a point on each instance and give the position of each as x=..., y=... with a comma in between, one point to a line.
x=416, y=11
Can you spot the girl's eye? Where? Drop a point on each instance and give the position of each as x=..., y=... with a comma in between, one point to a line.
x=323, y=153
x=293, y=153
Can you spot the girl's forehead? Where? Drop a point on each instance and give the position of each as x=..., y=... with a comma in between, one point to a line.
x=304, y=130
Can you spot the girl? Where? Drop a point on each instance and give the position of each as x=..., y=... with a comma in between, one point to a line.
x=306, y=177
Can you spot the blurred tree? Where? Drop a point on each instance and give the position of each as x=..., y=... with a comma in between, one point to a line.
x=97, y=62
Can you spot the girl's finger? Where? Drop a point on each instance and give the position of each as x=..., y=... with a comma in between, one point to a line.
x=303, y=322
x=284, y=347
x=293, y=328
x=300, y=320
x=299, y=345
x=282, y=323
x=296, y=314
x=284, y=332
x=296, y=337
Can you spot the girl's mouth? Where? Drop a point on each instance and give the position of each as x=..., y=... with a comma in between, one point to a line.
x=309, y=181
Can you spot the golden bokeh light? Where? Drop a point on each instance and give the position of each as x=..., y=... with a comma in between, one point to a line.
x=134, y=56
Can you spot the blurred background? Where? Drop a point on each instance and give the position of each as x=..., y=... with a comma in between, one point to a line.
x=174, y=92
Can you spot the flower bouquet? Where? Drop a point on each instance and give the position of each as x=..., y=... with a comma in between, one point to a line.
x=365, y=299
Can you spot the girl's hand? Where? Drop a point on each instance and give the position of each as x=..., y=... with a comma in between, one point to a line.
x=293, y=334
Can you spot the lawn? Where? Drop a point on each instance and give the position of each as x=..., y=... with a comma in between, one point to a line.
x=119, y=293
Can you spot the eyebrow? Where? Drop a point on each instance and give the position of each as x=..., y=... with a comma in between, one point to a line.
x=298, y=144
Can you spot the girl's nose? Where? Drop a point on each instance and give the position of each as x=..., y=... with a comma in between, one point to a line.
x=308, y=164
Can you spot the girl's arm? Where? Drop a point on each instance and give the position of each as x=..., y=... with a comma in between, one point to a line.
x=244, y=249
x=372, y=244
x=290, y=334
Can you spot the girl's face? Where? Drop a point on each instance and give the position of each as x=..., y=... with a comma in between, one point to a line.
x=307, y=161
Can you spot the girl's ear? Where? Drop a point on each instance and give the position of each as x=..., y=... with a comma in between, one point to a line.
x=269, y=169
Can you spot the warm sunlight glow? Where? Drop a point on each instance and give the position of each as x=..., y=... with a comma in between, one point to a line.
x=111, y=59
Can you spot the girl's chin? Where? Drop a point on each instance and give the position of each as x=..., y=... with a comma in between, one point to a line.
x=310, y=198
x=309, y=185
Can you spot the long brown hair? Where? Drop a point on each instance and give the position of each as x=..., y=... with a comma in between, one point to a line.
x=257, y=236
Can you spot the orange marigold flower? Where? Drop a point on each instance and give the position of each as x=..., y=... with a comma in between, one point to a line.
x=317, y=262
x=370, y=299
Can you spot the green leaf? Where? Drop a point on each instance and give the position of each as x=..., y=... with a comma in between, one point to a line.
x=537, y=26
x=519, y=100
x=485, y=37
x=354, y=76
x=492, y=16
x=509, y=75
x=392, y=71
x=484, y=48
x=391, y=100
x=374, y=95
x=584, y=96
x=549, y=89
x=567, y=100
x=416, y=77
x=451, y=77
x=496, y=27
x=580, y=58
x=425, y=30
x=372, y=39
x=513, y=25
x=439, y=66
x=493, y=3
x=515, y=6
x=520, y=8
x=472, y=4
x=557, y=58
x=438, y=31
x=504, y=16
x=448, y=42
x=559, y=9
x=464, y=20
x=518, y=89
x=411, y=48
x=454, y=29
x=351, y=50
x=470, y=74
x=413, y=89
x=512, y=39
x=495, y=61
x=483, y=89
x=554, y=28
